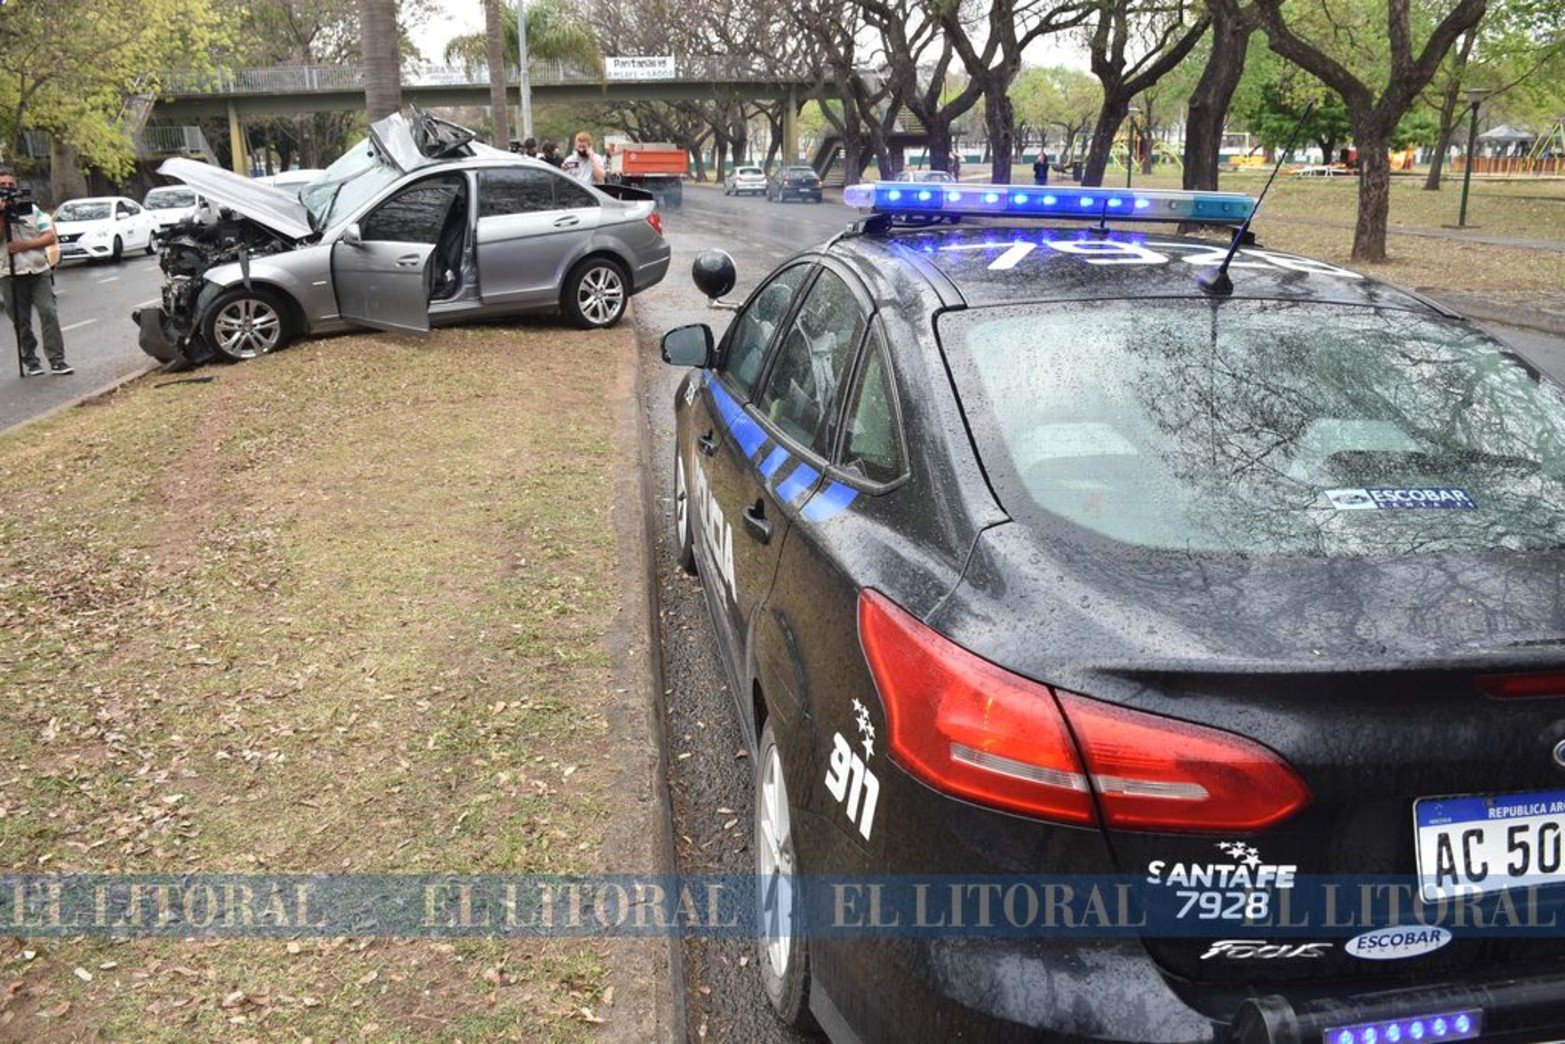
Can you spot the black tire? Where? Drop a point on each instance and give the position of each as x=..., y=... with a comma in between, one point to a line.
x=787, y=987
x=152, y=244
x=594, y=294
x=118, y=252
x=241, y=324
x=684, y=535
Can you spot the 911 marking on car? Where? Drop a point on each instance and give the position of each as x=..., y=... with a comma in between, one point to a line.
x=716, y=533
x=849, y=779
x=1119, y=252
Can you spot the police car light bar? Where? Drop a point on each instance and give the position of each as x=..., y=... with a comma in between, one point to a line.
x=904, y=198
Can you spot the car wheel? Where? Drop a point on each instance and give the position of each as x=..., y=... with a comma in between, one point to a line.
x=242, y=324
x=687, y=543
x=785, y=972
x=594, y=294
x=118, y=251
x=152, y=243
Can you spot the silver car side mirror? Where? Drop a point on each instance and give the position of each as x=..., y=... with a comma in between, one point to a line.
x=352, y=236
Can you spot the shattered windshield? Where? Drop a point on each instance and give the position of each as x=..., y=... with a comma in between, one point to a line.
x=356, y=176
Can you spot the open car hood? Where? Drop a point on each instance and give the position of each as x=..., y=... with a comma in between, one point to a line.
x=278, y=210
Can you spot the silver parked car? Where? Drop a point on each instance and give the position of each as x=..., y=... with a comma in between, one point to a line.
x=420, y=224
x=745, y=179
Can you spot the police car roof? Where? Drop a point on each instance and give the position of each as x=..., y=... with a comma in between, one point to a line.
x=1005, y=263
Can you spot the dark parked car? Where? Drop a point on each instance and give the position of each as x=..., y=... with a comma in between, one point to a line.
x=799, y=182
x=1028, y=556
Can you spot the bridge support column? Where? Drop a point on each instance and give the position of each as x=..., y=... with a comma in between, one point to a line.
x=790, y=142
x=236, y=142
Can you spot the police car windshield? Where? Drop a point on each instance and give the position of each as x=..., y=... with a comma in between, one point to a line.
x=1262, y=427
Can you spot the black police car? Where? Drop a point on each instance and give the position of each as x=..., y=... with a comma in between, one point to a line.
x=1028, y=556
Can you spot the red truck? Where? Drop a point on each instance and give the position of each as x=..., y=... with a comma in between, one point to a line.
x=657, y=167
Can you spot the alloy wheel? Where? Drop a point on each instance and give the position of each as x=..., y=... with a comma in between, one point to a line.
x=247, y=327
x=601, y=295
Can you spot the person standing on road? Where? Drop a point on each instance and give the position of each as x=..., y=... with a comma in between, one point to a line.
x=583, y=164
x=1040, y=169
x=551, y=154
x=31, y=288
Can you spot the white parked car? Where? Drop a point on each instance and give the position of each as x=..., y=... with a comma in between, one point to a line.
x=745, y=179
x=293, y=181
x=103, y=227
x=172, y=204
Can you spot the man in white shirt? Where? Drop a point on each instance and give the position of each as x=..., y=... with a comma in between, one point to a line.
x=583, y=164
x=27, y=283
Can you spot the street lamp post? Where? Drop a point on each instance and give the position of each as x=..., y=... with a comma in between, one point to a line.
x=1475, y=95
x=1130, y=145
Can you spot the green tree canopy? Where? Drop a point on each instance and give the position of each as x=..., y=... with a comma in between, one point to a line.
x=75, y=68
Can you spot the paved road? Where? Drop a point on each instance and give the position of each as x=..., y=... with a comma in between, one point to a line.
x=709, y=782
x=711, y=787
x=95, y=306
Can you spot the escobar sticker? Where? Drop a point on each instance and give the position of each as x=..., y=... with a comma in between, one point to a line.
x=1387, y=499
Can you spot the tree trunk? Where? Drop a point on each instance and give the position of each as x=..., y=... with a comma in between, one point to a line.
x=1000, y=121
x=1208, y=110
x=499, y=102
x=939, y=144
x=382, y=63
x=1442, y=149
x=65, y=173
x=1369, y=235
x=1110, y=116
x=1449, y=111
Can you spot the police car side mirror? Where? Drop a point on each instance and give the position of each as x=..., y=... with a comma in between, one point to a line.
x=688, y=346
x=713, y=273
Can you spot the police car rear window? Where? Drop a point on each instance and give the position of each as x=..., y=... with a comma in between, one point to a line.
x=1262, y=427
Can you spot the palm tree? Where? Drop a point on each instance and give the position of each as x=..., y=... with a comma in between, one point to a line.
x=554, y=33
x=494, y=45
x=382, y=58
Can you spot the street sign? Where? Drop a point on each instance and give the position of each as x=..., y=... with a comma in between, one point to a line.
x=640, y=67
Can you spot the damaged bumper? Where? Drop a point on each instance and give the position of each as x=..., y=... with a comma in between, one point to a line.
x=159, y=340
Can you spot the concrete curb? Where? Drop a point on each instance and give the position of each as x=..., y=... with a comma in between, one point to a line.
x=637, y=716
x=86, y=396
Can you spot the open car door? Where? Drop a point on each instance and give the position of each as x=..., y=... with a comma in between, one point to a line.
x=382, y=284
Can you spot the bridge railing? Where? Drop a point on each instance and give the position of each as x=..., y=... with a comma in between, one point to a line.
x=304, y=79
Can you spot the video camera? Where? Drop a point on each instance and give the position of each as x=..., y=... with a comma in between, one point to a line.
x=16, y=198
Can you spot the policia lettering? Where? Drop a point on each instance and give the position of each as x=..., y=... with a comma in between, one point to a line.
x=716, y=532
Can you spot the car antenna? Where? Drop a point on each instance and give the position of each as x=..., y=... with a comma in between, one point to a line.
x=1215, y=281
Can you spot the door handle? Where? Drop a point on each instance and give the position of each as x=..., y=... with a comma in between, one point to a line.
x=567, y=221
x=755, y=522
x=409, y=261
x=706, y=443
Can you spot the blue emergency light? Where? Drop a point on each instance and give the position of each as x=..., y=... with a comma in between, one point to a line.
x=960, y=199
x=1417, y=1029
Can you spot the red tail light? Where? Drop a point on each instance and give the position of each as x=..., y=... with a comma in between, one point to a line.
x=969, y=728
x=1521, y=686
x=656, y=222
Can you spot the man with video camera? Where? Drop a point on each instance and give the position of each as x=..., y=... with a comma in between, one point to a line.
x=28, y=280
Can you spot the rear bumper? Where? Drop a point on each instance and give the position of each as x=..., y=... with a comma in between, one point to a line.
x=1111, y=990
x=651, y=267
x=1513, y=1009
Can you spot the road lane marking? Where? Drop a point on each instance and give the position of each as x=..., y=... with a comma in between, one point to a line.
x=108, y=279
x=77, y=326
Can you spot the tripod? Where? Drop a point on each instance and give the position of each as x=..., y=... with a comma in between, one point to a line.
x=11, y=294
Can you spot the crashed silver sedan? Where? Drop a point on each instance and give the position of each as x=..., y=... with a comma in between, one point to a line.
x=418, y=225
